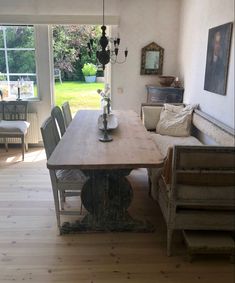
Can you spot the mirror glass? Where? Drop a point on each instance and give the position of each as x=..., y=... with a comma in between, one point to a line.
x=152, y=60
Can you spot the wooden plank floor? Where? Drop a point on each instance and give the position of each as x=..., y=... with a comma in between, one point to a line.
x=32, y=251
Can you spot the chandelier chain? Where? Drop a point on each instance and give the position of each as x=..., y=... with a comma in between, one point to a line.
x=103, y=12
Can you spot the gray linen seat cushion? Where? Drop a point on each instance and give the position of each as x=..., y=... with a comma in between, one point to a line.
x=73, y=175
x=13, y=127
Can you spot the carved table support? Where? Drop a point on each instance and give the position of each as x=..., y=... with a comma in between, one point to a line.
x=107, y=196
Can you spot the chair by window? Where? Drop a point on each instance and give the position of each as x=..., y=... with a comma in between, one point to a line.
x=64, y=182
x=67, y=113
x=13, y=123
x=57, y=74
x=58, y=119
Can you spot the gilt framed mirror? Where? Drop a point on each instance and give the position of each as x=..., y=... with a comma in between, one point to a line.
x=152, y=59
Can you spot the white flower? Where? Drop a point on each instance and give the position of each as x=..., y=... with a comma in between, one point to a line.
x=104, y=94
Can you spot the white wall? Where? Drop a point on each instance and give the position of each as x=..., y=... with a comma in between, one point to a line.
x=57, y=7
x=45, y=81
x=142, y=22
x=197, y=17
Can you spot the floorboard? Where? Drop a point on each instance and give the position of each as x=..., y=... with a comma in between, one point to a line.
x=32, y=251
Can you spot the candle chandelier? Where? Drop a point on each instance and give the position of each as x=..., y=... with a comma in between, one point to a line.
x=109, y=48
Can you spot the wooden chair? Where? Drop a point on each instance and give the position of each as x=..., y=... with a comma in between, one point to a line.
x=67, y=113
x=64, y=182
x=58, y=119
x=57, y=74
x=13, y=123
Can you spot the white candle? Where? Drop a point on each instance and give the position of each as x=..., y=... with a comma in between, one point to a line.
x=176, y=79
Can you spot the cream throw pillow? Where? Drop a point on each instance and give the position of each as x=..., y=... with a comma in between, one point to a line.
x=173, y=108
x=175, y=120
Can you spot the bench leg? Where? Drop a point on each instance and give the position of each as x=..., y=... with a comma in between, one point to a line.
x=169, y=241
x=232, y=258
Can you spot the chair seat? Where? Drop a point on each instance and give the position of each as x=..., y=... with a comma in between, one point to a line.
x=13, y=127
x=71, y=176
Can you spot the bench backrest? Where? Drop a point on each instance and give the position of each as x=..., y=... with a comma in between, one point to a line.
x=204, y=173
x=220, y=133
x=202, y=122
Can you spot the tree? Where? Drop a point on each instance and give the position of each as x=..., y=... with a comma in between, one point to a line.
x=19, y=61
x=69, y=42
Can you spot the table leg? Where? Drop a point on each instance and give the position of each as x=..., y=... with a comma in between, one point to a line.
x=107, y=196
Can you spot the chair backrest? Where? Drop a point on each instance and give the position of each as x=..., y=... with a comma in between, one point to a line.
x=57, y=72
x=58, y=119
x=50, y=136
x=14, y=110
x=67, y=113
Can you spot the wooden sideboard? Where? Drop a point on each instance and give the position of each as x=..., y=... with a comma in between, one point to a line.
x=159, y=94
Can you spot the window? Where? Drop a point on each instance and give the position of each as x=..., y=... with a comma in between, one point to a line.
x=17, y=62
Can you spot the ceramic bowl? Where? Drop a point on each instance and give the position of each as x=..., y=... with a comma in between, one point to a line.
x=166, y=80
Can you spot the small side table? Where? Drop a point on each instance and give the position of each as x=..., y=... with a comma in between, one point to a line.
x=209, y=242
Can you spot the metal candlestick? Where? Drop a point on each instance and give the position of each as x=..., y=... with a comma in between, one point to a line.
x=18, y=98
x=108, y=105
x=106, y=137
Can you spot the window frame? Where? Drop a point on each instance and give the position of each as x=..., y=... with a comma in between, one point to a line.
x=5, y=49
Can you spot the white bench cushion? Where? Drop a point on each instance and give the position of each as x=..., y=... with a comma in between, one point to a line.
x=164, y=142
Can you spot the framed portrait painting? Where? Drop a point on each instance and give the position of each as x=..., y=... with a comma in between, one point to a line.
x=217, y=61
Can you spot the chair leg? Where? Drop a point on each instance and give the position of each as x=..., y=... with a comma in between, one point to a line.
x=26, y=147
x=56, y=196
x=62, y=199
x=23, y=146
x=149, y=187
x=6, y=144
x=57, y=207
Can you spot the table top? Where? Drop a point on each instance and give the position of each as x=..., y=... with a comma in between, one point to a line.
x=132, y=146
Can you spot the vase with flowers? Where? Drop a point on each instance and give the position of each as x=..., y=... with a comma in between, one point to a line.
x=105, y=102
x=105, y=99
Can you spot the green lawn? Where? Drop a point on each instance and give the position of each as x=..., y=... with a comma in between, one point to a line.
x=80, y=95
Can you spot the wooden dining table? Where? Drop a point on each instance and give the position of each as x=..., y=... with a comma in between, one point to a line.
x=107, y=194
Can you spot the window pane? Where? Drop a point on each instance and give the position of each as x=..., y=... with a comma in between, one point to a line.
x=21, y=61
x=2, y=62
x=27, y=87
x=1, y=38
x=20, y=37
